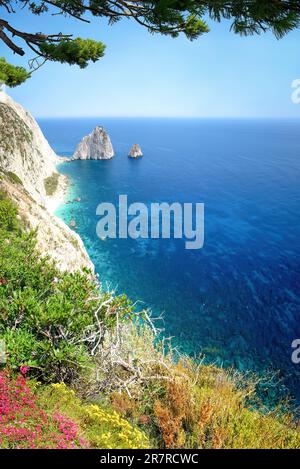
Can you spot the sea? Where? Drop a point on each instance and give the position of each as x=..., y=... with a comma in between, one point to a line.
x=236, y=301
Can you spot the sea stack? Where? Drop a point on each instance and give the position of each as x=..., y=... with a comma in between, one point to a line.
x=95, y=146
x=136, y=151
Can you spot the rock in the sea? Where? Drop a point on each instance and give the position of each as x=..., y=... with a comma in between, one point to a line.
x=136, y=151
x=95, y=146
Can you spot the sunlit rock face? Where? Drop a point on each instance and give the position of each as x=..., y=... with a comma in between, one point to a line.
x=95, y=146
x=26, y=161
x=24, y=150
x=136, y=151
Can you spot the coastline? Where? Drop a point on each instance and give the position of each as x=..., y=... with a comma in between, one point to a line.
x=78, y=256
x=53, y=202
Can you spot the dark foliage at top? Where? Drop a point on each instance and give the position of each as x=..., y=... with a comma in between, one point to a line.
x=168, y=17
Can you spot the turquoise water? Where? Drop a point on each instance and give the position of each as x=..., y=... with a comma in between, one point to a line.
x=238, y=299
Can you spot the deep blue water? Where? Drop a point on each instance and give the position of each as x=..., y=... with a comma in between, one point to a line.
x=238, y=299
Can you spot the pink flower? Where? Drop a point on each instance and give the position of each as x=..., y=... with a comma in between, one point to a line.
x=24, y=424
x=24, y=369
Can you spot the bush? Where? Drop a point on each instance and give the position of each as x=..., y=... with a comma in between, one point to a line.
x=207, y=410
x=25, y=424
x=51, y=184
x=8, y=214
x=103, y=427
x=47, y=317
x=34, y=417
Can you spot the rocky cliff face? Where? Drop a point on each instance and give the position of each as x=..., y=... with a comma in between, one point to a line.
x=26, y=161
x=24, y=151
x=136, y=151
x=95, y=146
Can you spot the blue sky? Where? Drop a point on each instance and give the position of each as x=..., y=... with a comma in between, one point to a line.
x=219, y=75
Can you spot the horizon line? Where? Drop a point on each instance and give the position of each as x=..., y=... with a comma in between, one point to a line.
x=171, y=117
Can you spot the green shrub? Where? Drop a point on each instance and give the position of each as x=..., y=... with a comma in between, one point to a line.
x=8, y=214
x=54, y=312
x=201, y=407
x=102, y=426
x=51, y=184
x=14, y=177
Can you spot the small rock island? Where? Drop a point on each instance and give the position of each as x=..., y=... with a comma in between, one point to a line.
x=95, y=146
x=136, y=151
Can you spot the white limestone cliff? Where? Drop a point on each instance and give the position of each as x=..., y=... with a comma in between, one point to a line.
x=24, y=150
x=26, y=161
x=95, y=146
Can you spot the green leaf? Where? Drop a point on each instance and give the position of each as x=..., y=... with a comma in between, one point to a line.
x=11, y=75
x=74, y=52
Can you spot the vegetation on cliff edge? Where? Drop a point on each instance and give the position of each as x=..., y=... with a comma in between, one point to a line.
x=93, y=372
x=51, y=184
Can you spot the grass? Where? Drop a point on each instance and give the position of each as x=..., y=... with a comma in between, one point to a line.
x=207, y=410
x=101, y=426
x=51, y=184
x=14, y=178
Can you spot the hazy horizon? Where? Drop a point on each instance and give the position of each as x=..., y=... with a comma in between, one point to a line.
x=291, y=118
